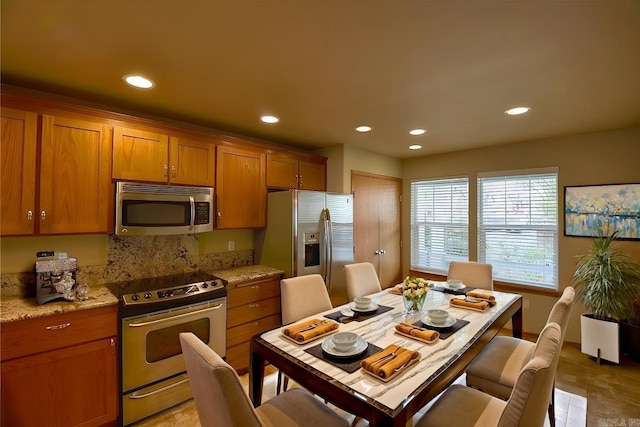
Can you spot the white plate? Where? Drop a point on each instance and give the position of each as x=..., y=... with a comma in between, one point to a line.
x=329, y=347
x=450, y=321
x=372, y=307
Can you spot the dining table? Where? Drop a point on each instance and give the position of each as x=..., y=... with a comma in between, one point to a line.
x=391, y=401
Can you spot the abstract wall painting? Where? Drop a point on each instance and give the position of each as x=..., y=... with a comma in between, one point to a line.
x=591, y=210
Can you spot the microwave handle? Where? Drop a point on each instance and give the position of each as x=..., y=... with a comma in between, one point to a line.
x=193, y=213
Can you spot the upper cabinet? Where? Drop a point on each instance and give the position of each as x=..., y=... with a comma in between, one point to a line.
x=288, y=171
x=241, y=187
x=154, y=157
x=75, y=176
x=18, y=185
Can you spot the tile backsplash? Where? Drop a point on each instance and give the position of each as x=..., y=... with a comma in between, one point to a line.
x=134, y=257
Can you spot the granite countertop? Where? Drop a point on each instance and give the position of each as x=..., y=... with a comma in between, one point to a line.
x=18, y=308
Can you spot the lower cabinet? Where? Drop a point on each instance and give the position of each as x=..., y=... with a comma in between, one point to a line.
x=60, y=370
x=252, y=307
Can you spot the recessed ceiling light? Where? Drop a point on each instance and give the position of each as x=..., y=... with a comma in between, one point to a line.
x=363, y=128
x=138, y=81
x=415, y=147
x=270, y=119
x=517, y=110
x=417, y=131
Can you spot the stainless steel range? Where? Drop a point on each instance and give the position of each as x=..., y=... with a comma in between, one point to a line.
x=153, y=313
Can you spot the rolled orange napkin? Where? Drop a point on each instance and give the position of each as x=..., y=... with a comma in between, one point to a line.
x=424, y=334
x=304, y=331
x=481, y=295
x=481, y=305
x=397, y=290
x=385, y=362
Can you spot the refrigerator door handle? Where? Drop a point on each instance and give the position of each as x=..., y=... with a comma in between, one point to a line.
x=329, y=234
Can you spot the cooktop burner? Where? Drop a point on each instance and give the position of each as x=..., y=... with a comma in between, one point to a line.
x=155, y=293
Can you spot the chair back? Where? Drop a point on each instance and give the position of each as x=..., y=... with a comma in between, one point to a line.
x=361, y=279
x=561, y=310
x=472, y=274
x=216, y=388
x=303, y=296
x=529, y=400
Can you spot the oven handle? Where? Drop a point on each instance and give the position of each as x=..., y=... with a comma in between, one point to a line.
x=173, y=318
x=193, y=212
x=142, y=396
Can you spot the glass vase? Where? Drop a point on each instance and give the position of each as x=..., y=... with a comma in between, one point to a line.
x=414, y=304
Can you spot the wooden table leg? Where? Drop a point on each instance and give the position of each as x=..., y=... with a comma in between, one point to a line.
x=256, y=378
x=516, y=322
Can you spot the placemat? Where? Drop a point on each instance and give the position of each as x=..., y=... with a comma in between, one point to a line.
x=462, y=291
x=444, y=332
x=347, y=364
x=358, y=317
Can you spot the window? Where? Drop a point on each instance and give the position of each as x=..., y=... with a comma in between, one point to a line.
x=439, y=223
x=518, y=226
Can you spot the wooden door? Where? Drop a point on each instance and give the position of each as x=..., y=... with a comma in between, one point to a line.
x=18, y=143
x=68, y=387
x=241, y=188
x=192, y=162
x=312, y=175
x=282, y=171
x=75, y=171
x=377, y=224
x=140, y=155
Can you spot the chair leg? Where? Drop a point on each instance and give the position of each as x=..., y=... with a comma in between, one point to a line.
x=279, y=384
x=285, y=383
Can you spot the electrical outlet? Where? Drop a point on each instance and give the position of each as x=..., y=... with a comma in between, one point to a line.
x=231, y=245
x=525, y=304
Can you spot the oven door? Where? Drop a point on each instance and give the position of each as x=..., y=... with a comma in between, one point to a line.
x=151, y=346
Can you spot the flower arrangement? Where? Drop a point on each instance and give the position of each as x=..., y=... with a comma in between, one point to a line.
x=414, y=292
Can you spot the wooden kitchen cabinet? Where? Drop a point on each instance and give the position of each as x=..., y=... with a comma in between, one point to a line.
x=60, y=370
x=241, y=187
x=252, y=307
x=75, y=170
x=152, y=156
x=287, y=171
x=18, y=181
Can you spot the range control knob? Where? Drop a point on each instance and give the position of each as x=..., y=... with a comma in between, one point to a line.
x=135, y=297
x=205, y=285
x=147, y=295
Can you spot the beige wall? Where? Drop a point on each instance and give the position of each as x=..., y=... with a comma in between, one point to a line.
x=597, y=158
x=18, y=254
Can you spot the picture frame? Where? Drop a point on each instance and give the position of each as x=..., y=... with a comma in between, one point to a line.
x=590, y=210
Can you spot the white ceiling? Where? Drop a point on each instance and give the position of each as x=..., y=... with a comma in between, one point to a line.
x=326, y=67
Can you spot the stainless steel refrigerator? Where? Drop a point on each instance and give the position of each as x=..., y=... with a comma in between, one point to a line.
x=308, y=232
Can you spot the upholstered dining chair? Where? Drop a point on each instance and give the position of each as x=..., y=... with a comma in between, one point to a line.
x=221, y=401
x=472, y=274
x=301, y=297
x=495, y=370
x=527, y=405
x=361, y=279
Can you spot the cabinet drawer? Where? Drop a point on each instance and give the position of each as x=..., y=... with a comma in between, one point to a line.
x=244, y=332
x=46, y=333
x=249, y=312
x=253, y=291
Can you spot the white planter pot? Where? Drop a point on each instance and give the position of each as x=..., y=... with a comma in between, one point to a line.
x=600, y=335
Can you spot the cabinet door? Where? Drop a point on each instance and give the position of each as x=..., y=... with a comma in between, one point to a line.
x=282, y=171
x=241, y=188
x=18, y=172
x=69, y=387
x=75, y=184
x=192, y=162
x=312, y=176
x=140, y=155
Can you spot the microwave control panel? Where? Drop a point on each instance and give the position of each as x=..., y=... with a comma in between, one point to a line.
x=202, y=213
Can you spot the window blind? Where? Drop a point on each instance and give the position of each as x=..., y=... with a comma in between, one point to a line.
x=439, y=223
x=518, y=227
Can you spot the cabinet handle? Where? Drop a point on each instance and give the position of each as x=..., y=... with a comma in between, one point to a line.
x=299, y=180
x=382, y=252
x=60, y=326
x=255, y=287
x=254, y=305
x=29, y=216
x=377, y=252
x=219, y=214
x=173, y=171
x=43, y=215
x=165, y=170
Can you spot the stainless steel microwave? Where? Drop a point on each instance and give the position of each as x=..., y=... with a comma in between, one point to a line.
x=143, y=209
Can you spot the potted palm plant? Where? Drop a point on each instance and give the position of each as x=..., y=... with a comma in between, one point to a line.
x=607, y=282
